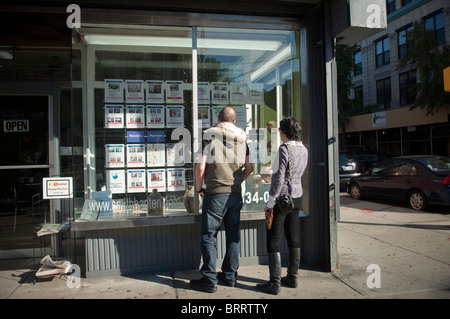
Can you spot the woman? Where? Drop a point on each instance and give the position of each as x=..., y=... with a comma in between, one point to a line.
x=291, y=160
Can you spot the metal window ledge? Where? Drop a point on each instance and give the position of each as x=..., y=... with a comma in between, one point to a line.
x=79, y=226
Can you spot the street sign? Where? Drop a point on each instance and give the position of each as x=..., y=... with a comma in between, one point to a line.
x=447, y=79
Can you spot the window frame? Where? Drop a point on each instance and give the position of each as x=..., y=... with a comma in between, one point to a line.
x=390, y=6
x=382, y=56
x=95, y=83
x=436, y=32
x=411, y=79
x=357, y=69
x=402, y=45
x=386, y=94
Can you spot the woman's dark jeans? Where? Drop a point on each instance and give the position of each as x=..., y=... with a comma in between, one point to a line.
x=291, y=228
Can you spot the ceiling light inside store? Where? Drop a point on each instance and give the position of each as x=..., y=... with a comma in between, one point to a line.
x=106, y=39
x=239, y=44
x=5, y=55
x=280, y=57
x=132, y=40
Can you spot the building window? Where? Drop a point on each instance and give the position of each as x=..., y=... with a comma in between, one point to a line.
x=402, y=40
x=357, y=56
x=405, y=2
x=359, y=95
x=384, y=93
x=390, y=6
x=436, y=24
x=382, y=52
x=407, y=87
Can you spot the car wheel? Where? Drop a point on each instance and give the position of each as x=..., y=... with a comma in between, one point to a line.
x=417, y=200
x=355, y=191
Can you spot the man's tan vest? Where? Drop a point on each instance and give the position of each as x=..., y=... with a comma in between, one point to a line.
x=226, y=150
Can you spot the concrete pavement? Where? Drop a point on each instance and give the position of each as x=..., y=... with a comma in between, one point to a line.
x=409, y=252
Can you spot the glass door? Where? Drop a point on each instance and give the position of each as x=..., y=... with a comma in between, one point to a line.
x=23, y=164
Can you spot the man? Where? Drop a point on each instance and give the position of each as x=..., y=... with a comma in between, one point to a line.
x=224, y=165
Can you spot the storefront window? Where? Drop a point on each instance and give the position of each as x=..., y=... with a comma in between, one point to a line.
x=251, y=70
x=142, y=116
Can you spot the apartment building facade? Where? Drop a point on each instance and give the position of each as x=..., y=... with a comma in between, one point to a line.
x=394, y=128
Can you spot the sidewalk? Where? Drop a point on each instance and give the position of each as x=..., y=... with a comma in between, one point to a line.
x=411, y=249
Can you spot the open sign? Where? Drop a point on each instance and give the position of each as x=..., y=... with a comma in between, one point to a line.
x=16, y=126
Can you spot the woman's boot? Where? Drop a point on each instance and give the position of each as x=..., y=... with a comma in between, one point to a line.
x=292, y=270
x=272, y=286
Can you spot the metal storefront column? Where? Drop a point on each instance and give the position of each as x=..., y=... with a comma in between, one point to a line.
x=88, y=76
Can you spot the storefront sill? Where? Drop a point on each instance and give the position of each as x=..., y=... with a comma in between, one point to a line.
x=252, y=216
x=79, y=226
x=132, y=222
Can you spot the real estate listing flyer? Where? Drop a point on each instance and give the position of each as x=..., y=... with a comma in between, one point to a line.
x=155, y=116
x=219, y=92
x=204, y=119
x=174, y=92
x=176, y=179
x=175, y=116
x=114, y=155
x=156, y=154
x=155, y=91
x=113, y=90
x=134, y=91
x=136, y=180
x=175, y=154
x=156, y=179
x=238, y=93
x=204, y=92
x=135, y=116
x=114, y=116
x=115, y=181
x=135, y=155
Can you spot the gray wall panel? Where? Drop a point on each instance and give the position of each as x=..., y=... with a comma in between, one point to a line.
x=165, y=248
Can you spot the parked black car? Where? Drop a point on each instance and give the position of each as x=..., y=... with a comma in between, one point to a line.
x=417, y=180
x=349, y=166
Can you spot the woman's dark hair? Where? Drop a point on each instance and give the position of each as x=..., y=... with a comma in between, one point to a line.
x=291, y=128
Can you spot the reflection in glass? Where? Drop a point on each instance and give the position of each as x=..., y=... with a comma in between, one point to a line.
x=255, y=71
x=259, y=67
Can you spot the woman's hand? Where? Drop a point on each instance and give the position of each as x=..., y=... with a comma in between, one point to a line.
x=268, y=211
x=269, y=217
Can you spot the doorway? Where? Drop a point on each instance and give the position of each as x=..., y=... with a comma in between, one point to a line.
x=24, y=138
